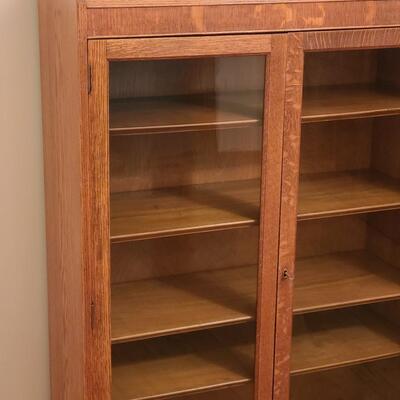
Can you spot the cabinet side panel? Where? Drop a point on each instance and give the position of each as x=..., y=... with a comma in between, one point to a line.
x=61, y=91
x=96, y=200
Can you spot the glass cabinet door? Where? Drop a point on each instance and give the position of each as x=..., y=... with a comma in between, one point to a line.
x=346, y=308
x=185, y=169
x=187, y=156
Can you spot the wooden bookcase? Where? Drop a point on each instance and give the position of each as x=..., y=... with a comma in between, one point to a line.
x=223, y=198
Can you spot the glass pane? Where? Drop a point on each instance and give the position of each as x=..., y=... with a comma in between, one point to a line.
x=185, y=153
x=346, y=337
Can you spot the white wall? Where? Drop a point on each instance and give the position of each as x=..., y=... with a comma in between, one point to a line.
x=23, y=296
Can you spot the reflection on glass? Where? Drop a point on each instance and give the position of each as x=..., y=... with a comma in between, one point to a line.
x=185, y=153
x=347, y=281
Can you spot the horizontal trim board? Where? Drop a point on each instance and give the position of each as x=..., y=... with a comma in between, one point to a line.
x=352, y=39
x=183, y=3
x=240, y=18
x=152, y=48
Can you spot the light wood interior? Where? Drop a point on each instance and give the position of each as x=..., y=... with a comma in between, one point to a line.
x=346, y=261
x=347, y=281
x=185, y=169
x=183, y=303
x=210, y=278
x=351, y=84
x=170, y=256
x=349, y=167
x=377, y=380
x=186, y=95
x=183, y=210
x=185, y=201
x=183, y=364
x=337, y=338
x=146, y=162
x=240, y=392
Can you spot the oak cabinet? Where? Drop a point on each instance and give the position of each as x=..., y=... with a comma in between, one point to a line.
x=341, y=302
x=222, y=199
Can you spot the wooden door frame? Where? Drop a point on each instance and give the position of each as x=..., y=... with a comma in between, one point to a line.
x=96, y=190
x=298, y=45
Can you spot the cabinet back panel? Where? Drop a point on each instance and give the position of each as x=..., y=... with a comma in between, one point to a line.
x=183, y=77
x=388, y=68
x=386, y=146
x=349, y=145
x=179, y=159
x=336, y=146
x=384, y=236
x=358, y=67
x=340, y=68
x=241, y=392
x=332, y=235
x=183, y=254
x=371, y=381
x=378, y=233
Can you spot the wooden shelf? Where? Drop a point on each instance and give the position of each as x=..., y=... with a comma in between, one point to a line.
x=337, y=338
x=185, y=113
x=340, y=193
x=183, y=303
x=219, y=206
x=346, y=102
x=342, y=280
x=183, y=210
x=373, y=381
x=240, y=392
x=183, y=364
x=148, y=308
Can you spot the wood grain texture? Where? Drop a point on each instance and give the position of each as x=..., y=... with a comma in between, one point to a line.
x=184, y=113
x=346, y=102
x=175, y=255
x=97, y=225
x=288, y=215
x=146, y=162
x=333, y=194
x=63, y=65
x=338, y=338
x=336, y=146
x=208, y=196
x=169, y=3
x=383, y=236
x=187, y=76
x=183, y=303
x=183, y=364
x=205, y=150
x=343, y=279
x=162, y=48
x=183, y=210
x=269, y=219
x=320, y=237
x=353, y=39
x=131, y=21
x=370, y=381
x=341, y=68
x=386, y=145
x=240, y=392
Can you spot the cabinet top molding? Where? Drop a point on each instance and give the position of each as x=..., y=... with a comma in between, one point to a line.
x=185, y=3
x=135, y=18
